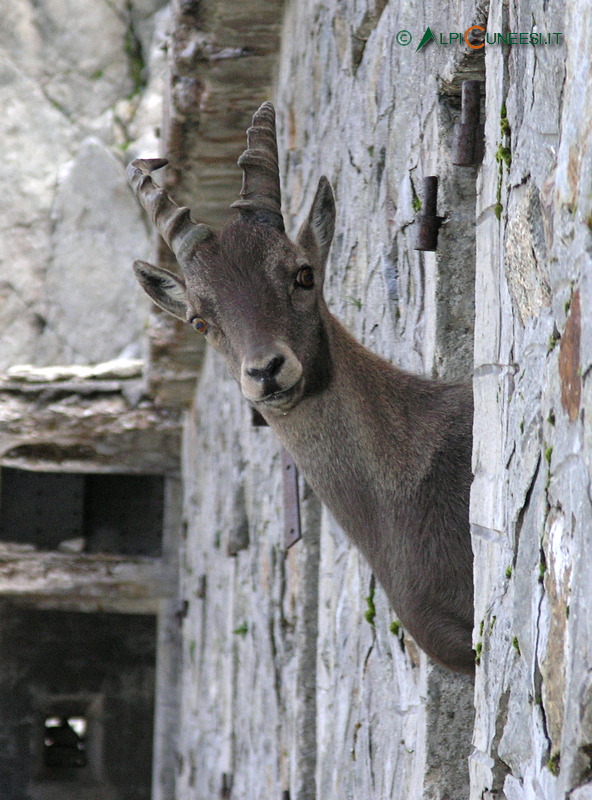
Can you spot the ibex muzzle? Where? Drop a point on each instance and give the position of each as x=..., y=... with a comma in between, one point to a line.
x=270, y=375
x=388, y=452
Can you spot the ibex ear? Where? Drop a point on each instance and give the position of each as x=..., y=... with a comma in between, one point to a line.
x=316, y=234
x=167, y=290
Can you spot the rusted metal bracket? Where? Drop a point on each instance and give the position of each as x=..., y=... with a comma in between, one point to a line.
x=292, y=529
x=469, y=133
x=181, y=611
x=202, y=587
x=428, y=222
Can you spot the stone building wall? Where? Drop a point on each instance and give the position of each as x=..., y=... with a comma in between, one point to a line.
x=531, y=499
x=81, y=92
x=288, y=687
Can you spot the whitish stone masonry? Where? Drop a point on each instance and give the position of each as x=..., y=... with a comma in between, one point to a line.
x=531, y=496
x=287, y=685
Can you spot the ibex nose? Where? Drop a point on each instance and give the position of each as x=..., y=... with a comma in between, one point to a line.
x=270, y=370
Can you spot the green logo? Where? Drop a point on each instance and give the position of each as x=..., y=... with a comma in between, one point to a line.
x=427, y=37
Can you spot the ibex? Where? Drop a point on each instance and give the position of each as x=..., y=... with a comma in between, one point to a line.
x=389, y=453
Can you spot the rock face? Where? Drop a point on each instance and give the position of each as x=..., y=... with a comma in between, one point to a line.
x=72, y=71
x=89, y=279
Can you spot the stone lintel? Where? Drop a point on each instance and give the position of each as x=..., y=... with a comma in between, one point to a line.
x=83, y=581
x=82, y=419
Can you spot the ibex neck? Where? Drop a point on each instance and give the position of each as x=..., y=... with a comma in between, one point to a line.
x=358, y=440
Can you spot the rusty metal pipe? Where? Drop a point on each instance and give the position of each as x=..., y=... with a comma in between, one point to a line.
x=428, y=222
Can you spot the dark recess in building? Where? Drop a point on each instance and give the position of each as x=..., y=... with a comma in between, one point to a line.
x=94, y=672
x=92, y=513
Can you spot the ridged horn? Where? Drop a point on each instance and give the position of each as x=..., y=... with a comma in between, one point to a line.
x=261, y=199
x=173, y=222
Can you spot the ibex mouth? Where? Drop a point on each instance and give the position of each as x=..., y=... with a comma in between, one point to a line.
x=284, y=399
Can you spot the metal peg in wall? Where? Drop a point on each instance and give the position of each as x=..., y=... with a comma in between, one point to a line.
x=202, y=585
x=428, y=222
x=226, y=788
x=181, y=611
x=469, y=144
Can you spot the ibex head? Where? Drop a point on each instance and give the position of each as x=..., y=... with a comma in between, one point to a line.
x=254, y=294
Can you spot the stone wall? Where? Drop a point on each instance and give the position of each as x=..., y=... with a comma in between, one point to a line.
x=287, y=685
x=531, y=512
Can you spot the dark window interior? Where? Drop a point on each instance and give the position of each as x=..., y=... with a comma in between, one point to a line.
x=91, y=513
x=64, y=742
x=76, y=704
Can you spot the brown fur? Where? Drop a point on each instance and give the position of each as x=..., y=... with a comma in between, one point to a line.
x=389, y=454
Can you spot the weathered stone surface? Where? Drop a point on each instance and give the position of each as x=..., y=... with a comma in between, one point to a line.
x=221, y=58
x=117, y=369
x=569, y=360
x=531, y=449
x=56, y=43
x=386, y=724
x=87, y=419
x=28, y=173
x=525, y=253
x=70, y=70
x=83, y=581
x=95, y=306
x=142, y=119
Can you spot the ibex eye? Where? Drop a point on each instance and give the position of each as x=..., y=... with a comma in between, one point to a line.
x=200, y=325
x=305, y=278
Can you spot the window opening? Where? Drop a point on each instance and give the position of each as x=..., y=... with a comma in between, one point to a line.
x=64, y=742
x=82, y=513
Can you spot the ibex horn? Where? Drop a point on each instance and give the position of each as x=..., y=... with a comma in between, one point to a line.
x=261, y=198
x=173, y=222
